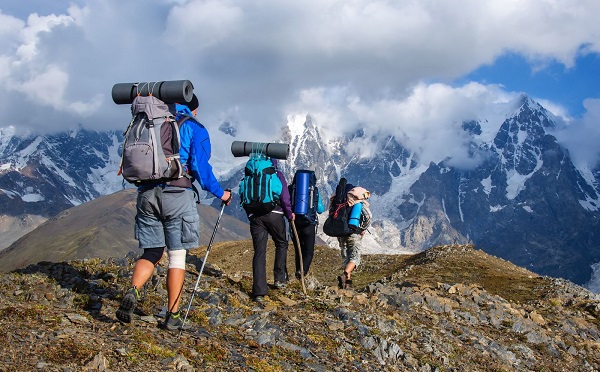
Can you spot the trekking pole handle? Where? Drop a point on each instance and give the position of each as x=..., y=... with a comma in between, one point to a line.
x=228, y=200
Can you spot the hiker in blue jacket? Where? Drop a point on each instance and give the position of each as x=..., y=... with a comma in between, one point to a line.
x=261, y=227
x=196, y=150
x=167, y=217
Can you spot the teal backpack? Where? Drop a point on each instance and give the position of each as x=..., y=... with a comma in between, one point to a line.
x=260, y=188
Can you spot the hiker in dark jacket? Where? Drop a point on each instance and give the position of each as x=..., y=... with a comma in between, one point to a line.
x=307, y=233
x=167, y=217
x=261, y=227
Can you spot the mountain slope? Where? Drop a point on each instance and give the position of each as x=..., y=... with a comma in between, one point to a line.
x=12, y=227
x=449, y=308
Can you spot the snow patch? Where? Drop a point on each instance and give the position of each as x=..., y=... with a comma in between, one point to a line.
x=594, y=284
x=105, y=180
x=496, y=208
x=590, y=204
x=31, y=198
x=460, y=200
x=516, y=181
x=23, y=155
x=445, y=212
x=521, y=137
x=487, y=185
x=587, y=175
x=10, y=194
x=61, y=173
x=528, y=208
x=380, y=204
x=495, y=115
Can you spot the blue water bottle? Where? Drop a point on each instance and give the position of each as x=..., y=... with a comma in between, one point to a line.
x=354, y=220
x=302, y=191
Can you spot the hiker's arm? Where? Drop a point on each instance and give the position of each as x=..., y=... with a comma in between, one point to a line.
x=286, y=203
x=200, y=150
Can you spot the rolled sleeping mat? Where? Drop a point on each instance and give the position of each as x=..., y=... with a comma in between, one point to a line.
x=174, y=91
x=354, y=219
x=272, y=150
x=301, y=196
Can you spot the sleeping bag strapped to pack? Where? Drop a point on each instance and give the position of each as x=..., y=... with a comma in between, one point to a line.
x=305, y=197
x=336, y=224
x=151, y=146
x=261, y=187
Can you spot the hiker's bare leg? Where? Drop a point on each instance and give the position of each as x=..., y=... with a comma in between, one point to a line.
x=142, y=271
x=175, y=279
x=349, y=268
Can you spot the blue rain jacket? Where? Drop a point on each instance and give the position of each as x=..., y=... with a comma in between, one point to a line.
x=195, y=151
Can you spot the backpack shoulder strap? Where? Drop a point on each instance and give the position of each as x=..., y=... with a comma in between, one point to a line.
x=183, y=119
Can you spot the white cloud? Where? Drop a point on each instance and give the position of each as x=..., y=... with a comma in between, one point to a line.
x=427, y=121
x=9, y=29
x=582, y=136
x=386, y=64
x=30, y=34
x=197, y=25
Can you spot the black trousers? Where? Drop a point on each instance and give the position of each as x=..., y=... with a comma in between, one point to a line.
x=306, y=235
x=260, y=228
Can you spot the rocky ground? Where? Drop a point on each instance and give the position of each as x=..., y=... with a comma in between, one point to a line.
x=451, y=308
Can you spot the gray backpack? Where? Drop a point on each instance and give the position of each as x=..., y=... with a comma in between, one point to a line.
x=151, y=144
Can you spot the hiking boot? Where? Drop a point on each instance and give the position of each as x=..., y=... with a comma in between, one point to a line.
x=299, y=274
x=341, y=282
x=174, y=322
x=128, y=305
x=280, y=285
x=259, y=299
x=344, y=282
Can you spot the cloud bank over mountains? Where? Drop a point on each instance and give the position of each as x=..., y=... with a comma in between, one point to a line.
x=385, y=66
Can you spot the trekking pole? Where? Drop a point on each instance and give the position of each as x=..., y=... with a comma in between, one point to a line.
x=297, y=246
x=212, y=237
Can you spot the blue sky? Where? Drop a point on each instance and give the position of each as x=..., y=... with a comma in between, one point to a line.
x=567, y=86
x=408, y=68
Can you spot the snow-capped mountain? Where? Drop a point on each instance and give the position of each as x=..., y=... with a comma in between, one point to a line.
x=43, y=175
x=524, y=201
x=521, y=198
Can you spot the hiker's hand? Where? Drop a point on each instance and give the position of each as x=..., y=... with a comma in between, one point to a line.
x=226, y=198
x=293, y=217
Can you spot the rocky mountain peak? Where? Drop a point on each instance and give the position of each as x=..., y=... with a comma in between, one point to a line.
x=228, y=128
